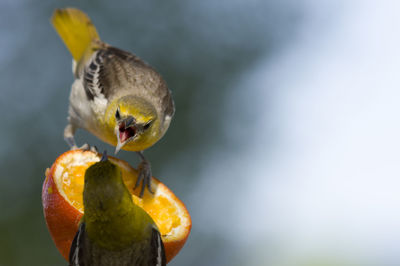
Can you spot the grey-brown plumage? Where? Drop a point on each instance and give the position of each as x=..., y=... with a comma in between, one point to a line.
x=113, y=73
x=110, y=78
x=115, y=95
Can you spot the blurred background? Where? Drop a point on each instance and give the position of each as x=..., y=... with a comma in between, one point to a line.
x=285, y=143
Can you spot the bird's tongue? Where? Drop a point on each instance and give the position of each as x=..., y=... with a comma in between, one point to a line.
x=125, y=133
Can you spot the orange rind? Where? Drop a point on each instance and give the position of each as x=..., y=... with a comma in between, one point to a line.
x=63, y=202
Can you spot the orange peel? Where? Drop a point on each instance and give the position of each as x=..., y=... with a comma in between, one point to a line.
x=63, y=207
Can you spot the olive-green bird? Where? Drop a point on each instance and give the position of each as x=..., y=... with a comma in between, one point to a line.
x=115, y=96
x=114, y=230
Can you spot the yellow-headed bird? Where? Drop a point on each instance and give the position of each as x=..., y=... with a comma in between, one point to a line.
x=115, y=96
x=113, y=230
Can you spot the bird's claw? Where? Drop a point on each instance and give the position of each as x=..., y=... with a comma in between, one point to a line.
x=71, y=142
x=145, y=176
x=86, y=147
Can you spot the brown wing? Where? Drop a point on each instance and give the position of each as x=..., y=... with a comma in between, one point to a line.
x=114, y=72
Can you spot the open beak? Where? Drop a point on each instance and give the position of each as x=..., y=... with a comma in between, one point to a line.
x=126, y=132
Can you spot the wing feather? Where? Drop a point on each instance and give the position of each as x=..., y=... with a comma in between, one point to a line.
x=157, y=251
x=76, y=251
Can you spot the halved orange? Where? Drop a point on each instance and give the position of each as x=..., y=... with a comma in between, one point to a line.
x=63, y=208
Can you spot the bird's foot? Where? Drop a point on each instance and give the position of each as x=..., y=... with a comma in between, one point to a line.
x=85, y=147
x=71, y=142
x=144, y=176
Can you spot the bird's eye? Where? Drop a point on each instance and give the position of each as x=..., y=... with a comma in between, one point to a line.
x=117, y=115
x=147, y=126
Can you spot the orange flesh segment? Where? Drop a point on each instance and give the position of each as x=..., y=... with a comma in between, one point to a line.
x=159, y=206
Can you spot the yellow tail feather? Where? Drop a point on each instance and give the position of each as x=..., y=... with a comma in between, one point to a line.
x=76, y=30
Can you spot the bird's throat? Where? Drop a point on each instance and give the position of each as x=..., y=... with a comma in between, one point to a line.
x=126, y=133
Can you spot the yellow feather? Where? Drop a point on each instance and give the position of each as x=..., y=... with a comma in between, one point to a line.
x=76, y=30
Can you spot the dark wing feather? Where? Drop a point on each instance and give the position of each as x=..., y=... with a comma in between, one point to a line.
x=112, y=69
x=76, y=251
x=92, y=76
x=157, y=251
